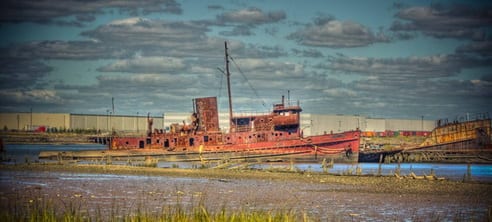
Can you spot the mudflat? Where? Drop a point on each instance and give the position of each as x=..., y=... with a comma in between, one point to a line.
x=112, y=189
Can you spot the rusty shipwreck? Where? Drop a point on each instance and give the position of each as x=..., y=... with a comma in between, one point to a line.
x=273, y=135
x=465, y=140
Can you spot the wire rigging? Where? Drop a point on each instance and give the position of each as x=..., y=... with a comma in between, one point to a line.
x=221, y=79
x=249, y=83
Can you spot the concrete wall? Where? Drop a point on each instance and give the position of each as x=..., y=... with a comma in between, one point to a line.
x=377, y=125
x=315, y=124
x=410, y=125
x=311, y=124
x=113, y=122
x=28, y=121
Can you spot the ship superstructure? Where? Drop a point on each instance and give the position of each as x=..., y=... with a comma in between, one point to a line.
x=277, y=133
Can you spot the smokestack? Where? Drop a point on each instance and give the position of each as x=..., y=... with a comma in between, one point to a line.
x=283, y=98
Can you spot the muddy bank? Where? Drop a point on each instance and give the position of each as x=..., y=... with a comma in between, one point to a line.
x=325, y=197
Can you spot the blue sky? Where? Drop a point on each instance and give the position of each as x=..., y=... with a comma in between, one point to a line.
x=393, y=59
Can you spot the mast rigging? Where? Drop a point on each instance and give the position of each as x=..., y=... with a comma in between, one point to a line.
x=228, y=75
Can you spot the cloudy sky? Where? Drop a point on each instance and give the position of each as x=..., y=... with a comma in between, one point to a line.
x=394, y=59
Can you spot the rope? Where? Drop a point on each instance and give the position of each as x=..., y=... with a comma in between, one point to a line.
x=250, y=86
x=220, y=85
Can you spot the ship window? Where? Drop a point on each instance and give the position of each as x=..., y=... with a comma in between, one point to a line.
x=149, y=141
x=258, y=136
x=276, y=134
x=166, y=143
x=205, y=138
x=249, y=136
x=158, y=141
x=290, y=133
x=239, y=137
x=126, y=142
x=141, y=144
x=228, y=138
x=261, y=120
x=280, y=134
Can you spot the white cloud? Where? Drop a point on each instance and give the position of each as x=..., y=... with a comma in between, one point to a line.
x=146, y=65
x=339, y=92
x=336, y=34
x=251, y=16
x=403, y=68
x=50, y=11
x=445, y=21
x=36, y=96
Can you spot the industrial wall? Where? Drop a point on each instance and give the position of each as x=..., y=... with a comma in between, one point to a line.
x=410, y=125
x=311, y=124
x=120, y=123
x=31, y=121
x=375, y=125
x=315, y=124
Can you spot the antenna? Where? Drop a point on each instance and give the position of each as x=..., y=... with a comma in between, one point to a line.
x=288, y=97
x=193, y=104
x=228, y=75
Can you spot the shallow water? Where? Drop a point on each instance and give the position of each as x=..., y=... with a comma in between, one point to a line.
x=479, y=172
x=20, y=153
x=29, y=152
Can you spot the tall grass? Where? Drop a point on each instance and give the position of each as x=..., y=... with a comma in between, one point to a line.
x=46, y=211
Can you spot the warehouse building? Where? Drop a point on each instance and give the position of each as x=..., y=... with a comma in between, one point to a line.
x=311, y=124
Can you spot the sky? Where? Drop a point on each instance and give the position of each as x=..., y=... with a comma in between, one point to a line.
x=386, y=59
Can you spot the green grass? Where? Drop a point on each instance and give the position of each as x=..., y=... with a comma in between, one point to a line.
x=46, y=211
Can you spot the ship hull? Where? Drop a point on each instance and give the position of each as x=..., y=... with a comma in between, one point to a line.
x=162, y=155
x=376, y=156
x=464, y=151
x=457, y=142
x=342, y=147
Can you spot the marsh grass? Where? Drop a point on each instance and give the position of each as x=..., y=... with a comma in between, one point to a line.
x=38, y=209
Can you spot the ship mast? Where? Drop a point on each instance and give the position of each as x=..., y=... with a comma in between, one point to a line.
x=228, y=75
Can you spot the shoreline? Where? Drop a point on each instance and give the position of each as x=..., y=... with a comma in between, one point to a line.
x=302, y=176
x=319, y=195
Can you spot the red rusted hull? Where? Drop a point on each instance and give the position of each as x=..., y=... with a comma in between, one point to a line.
x=341, y=146
x=276, y=133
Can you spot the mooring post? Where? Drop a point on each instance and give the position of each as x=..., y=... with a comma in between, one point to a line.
x=398, y=169
x=358, y=170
